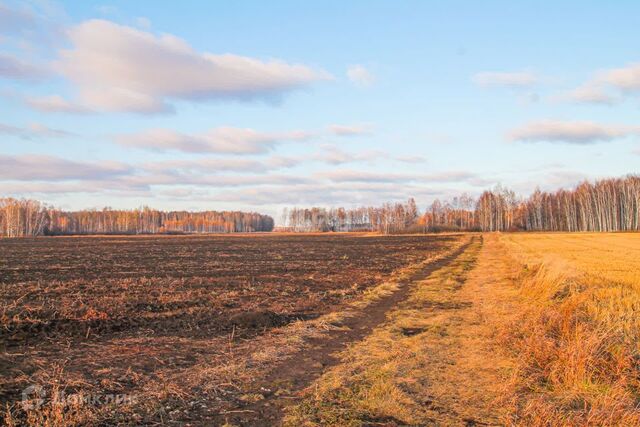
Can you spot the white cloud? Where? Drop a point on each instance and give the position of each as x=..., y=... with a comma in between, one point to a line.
x=212, y=166
x=590, y=94
x=232, y=179
x=119, y=68
x=359, y=75
x=515, y=80
x=220, y=140
x=215, y=166
x=21, y=188
x=571, y=132
x=31, y=167
x=350, y=130
x=335, y=156
x=182, y=193
x=327, y=194
x=411, y=159
x=34, y=130
x=199, y=179
x=626, y=78
x=54, y=104
x=15, y=20
x=32, y=25
x=12, y=67
x=38, y=129
x=10, y=130
x=40, y=173
x=607, y=87
x=346, y=175
x=281, y=162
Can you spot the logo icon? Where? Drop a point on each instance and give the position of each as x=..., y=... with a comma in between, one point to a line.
x=33, y=397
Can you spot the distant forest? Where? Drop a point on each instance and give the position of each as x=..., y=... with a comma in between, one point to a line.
x=22, y=218
x=606, y=205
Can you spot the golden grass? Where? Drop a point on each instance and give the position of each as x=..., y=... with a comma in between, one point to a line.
x=550, y=336
x=614, y=257
x=578, y=341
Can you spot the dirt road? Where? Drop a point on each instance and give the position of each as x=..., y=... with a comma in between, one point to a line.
x=283, y=386
x=421, y=355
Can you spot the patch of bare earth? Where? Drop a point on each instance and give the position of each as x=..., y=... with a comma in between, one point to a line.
x=185, y=325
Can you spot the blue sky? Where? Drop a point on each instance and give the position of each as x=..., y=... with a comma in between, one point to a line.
x=260, y=105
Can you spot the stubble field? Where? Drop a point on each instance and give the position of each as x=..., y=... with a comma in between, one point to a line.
x=531, y=329
x=149, y=317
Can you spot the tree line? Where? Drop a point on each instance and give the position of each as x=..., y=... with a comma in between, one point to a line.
x=23, y=218
x=606, y=205
x=388, y=218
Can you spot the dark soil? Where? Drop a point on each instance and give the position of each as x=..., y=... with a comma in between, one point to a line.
x=113, y=314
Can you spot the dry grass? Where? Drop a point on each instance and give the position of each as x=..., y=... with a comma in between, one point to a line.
x=544, y=331
x=578, y=341
x=614, y=257
x=548, y=322
x=415, y=369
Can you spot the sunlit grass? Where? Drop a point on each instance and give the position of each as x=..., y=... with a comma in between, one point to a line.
x=578, y=342
x=612, y=256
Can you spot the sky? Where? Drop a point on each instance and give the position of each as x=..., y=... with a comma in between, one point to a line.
x=253, y=105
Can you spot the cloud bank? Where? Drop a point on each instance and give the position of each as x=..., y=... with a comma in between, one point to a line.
x=608, y=87
x=54, y=104
x=32, y=167
x=120, y=68
x=350, y=130
x=591, y=94
x=226, y=140
x=34, y=130
x=15, y=68
x=570, y=132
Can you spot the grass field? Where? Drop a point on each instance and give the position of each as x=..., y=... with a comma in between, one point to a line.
x=578, y=339
x=314, y=330
x=613, y=256
x=531, y=329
